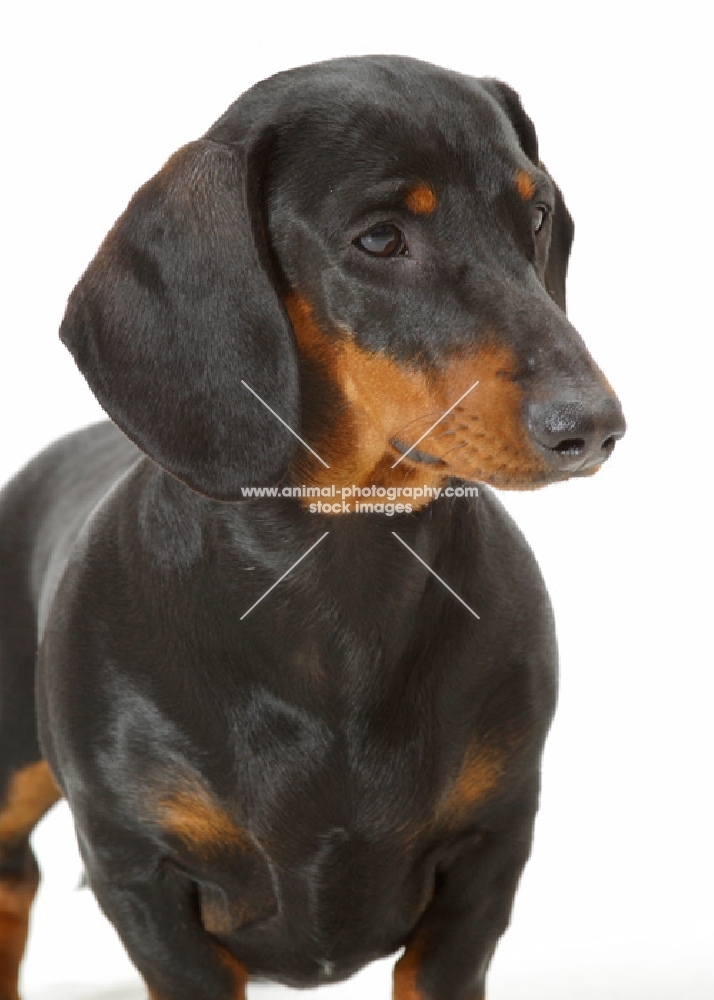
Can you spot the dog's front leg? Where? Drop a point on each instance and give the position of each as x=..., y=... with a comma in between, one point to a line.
x=448, y=955
x=158, y=920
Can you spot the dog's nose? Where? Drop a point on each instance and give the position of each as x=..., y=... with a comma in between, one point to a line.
x=574, y=435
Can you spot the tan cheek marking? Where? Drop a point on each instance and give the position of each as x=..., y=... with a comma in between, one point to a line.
x=524, y=185
x=32, y=791
x=374, y=395
x=382, y=397
x=484, y=437
x=191, y=814
x=420, y=199
x=481, y=439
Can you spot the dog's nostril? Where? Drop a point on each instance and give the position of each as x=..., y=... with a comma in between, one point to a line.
x=609, y=443
x=571, y=446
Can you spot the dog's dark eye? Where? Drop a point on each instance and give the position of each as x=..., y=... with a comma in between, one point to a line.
x=383, y=241
x=539, y=215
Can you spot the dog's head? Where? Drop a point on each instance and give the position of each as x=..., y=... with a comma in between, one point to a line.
x=354, y=248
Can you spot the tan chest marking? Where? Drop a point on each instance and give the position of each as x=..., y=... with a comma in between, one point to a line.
x=191, y=813
x=481, y=770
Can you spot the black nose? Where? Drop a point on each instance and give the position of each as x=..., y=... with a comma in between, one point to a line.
x=575, y=435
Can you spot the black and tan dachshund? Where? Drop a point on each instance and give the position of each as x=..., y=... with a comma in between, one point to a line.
x=294, y=740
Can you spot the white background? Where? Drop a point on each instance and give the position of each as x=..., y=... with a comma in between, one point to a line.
x=617, y=900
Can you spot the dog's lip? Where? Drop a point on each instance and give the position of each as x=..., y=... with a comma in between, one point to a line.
x=587, y=467
x=415, y=455
x=548, y=479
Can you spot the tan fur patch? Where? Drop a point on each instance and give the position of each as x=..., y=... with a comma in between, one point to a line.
x=524, y=185
x=216, y=917
x=255, y=903
x=482, y=438
x=480, y=772
x=420, y=199
x=238, y=972
x=31, y=792
x=406, y=971
x=190, y=813
x=16, y=896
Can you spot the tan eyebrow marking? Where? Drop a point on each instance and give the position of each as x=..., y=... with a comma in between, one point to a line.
x=524, y=185
x=420, y=199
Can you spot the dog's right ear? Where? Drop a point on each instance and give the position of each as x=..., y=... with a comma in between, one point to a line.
x=178, y=309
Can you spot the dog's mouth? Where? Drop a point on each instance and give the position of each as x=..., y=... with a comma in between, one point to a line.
x=415, y=455
x=499, y=477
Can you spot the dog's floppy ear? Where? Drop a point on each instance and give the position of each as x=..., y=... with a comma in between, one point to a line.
x=179, y=308
x=562, y=232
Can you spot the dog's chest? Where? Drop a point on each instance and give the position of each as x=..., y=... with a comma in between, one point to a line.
x=335, y=844
x=336, y=815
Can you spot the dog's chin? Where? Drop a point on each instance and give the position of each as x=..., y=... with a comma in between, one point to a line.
x=590, y=471
x=522, y=485
x=537, y=482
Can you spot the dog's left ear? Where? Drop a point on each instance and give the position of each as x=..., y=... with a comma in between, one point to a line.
x=563, y=229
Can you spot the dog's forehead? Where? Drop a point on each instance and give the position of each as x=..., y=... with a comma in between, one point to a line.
x=377, y=115
x=400, y=110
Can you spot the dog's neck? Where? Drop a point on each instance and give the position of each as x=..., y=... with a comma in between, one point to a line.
x=240, y=550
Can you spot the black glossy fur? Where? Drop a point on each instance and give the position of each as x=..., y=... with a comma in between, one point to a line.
x=298, y=789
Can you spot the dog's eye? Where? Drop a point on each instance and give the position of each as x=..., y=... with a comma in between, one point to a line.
x=539, y=216
x=383, y=241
